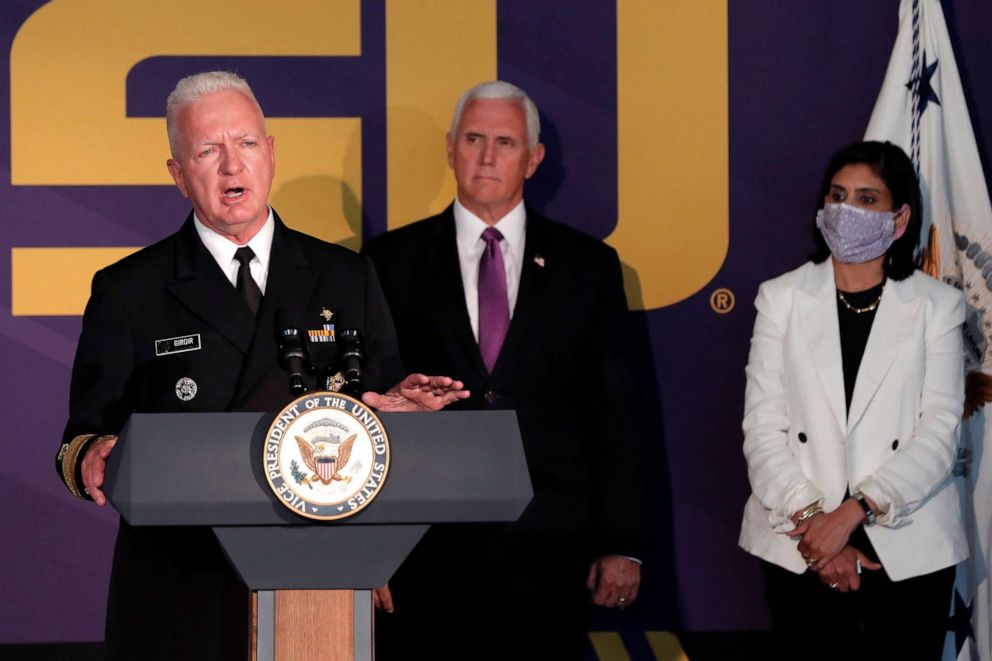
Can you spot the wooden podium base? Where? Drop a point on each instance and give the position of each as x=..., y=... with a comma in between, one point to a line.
x=291, y=625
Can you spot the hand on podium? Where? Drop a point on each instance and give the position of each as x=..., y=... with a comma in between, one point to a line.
x=418, y=392
x=95, y=465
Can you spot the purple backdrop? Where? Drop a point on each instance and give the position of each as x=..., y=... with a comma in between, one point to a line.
x=803, y=79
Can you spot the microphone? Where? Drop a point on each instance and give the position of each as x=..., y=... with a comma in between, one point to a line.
x=351, y=360
x=292, y=351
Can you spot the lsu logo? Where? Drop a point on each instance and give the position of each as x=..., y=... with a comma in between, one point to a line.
x=386, y=161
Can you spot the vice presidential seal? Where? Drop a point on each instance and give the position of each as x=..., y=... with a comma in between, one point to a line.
x=326, y=456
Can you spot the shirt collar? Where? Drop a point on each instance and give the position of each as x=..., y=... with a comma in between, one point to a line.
x=223, y=249
x=469, y=227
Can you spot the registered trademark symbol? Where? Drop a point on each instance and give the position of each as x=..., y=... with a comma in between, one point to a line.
x=722, y=301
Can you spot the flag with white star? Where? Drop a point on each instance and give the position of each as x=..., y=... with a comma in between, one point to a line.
x=922, y=108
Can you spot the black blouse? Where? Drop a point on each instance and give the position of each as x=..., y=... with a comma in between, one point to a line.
x=854, y=330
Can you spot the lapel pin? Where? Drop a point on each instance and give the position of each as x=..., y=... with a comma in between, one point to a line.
x=539, y=260
x=326, y=314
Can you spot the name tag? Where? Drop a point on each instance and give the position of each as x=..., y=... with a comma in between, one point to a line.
x=177, y=344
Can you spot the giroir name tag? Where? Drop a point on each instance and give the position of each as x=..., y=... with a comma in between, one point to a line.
x=177, y=344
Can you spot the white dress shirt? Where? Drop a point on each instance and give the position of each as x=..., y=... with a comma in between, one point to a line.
x=223, y=250
x=468, y=234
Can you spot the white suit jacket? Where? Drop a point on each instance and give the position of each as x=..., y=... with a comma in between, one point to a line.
x=897, y=445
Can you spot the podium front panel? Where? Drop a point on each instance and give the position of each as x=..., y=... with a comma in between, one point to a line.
x=206, y=469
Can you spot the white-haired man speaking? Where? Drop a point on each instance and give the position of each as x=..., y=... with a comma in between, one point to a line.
x=216, y=286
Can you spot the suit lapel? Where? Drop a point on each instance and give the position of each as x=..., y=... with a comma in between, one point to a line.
x=817, y=317
x=291, y=282
x=531, y=298
x=452, y=316
x=202, y=287
x=892, y=325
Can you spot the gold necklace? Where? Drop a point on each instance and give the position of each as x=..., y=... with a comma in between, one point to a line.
x=868, y=308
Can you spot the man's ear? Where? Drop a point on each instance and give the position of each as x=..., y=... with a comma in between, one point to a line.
x=536, y=156
x=176, y=170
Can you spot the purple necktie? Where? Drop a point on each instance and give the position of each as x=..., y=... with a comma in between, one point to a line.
x=494, y=307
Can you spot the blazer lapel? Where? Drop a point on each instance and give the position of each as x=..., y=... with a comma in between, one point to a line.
x=291, y=282
x=892, y=325
x=201, y=286
x=817, y=317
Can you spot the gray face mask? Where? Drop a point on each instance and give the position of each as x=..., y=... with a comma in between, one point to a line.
x=856, y=235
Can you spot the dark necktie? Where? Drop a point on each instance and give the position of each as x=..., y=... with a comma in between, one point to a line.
x=494, y=306
x=247, y=287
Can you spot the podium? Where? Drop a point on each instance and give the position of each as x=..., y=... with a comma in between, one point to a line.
x=315, y=578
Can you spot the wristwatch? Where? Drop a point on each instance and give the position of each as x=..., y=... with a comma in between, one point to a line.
x=869, y=514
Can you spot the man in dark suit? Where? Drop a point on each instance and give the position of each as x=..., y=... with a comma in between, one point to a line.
x=532, y=317
x=188, y=324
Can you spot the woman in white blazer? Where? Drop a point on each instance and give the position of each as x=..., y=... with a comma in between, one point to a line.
x=855, y=389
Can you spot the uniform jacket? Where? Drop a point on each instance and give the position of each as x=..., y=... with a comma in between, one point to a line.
x=898, y=443
x=565, y=367
x=175, y=289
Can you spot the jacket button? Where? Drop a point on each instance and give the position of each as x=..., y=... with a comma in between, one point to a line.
x=489, y=396
x=895, y=444
x=802, y=437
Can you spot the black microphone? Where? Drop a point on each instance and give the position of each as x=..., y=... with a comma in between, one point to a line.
x=351, y=360
x=292, y=350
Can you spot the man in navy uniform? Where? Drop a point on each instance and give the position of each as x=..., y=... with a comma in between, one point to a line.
x=188, y=324
x=532, y=316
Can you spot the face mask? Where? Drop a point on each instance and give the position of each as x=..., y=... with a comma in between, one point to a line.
x=856, y=235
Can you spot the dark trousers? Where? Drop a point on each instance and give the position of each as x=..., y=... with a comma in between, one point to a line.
x=174, y=597
x=470, y=592
x=884, y=619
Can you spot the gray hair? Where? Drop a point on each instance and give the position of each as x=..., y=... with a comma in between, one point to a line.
x=192, y=88
x=499, y=89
